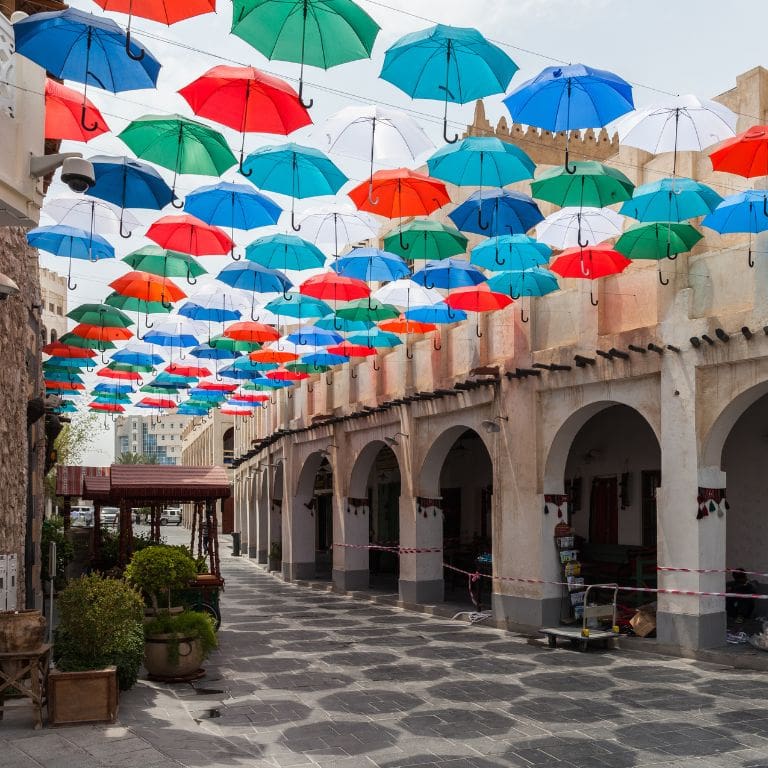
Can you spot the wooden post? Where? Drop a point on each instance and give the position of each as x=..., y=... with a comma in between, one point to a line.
x=193, y=527
x=213, y=535
x=66, y=512
x=96, y=546
x=126, y=534
x=199, y=515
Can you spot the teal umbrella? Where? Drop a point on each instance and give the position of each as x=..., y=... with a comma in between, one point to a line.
x=675, y=199
x=510, y=252
x=294, y=304
x=285, y=252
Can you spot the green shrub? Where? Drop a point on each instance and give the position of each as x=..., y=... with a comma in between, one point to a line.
x=158, y=570
x=100, y=625
x=110, y=540
x=180, y=625
x=53, y=531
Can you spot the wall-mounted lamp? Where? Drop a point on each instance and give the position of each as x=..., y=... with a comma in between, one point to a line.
x=393, y=440
x=7, y=287
x=492, y=425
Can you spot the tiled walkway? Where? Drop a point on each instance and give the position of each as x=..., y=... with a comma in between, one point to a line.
x=305, y=678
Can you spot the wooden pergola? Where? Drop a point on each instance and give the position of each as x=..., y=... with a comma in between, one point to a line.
x=156, y=486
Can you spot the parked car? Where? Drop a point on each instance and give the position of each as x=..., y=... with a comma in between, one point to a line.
x=109, y=516
x=170, y=517
x=81, y=516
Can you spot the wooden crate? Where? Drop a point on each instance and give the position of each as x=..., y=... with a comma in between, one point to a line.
x=82, y=697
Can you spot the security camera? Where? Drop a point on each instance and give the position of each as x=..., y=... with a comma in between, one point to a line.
x=7, y=287
x=78, y=174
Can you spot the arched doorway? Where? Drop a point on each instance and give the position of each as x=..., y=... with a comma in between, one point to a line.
x=611, y=474
x=458, y=475
x=274, y=501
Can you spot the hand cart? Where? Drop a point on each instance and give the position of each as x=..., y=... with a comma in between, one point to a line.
x=584, y=635
x=202, y=594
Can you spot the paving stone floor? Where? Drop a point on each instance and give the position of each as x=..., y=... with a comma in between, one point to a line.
x=304, y=678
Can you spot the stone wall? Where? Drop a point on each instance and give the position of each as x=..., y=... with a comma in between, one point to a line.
x=20, y=381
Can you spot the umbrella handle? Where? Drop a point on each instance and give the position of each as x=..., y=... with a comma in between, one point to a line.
x=403, y=244
x=480, y=224
x=131, y=55
x=243, y=171
x=255, y=319
x=750, y=260
x=514, y=296
x=569, y=169
x=371, y=199
x=336, y=325
x=289, y=394
x=352, y=373
x=581, y=244
x=167, y=305
x=310, y=388
x=592, y=300
x=408, y=353
x=173, y=203
x=375, y=366
x=478, y=332
x=662, y=280
x=89, y=128
x=218, y=376
x=329, y=379
x=103, y=359
x=235, y=258
x=191, y=280
x=671, y=256
x=123, y=234
x=294, y=226
x=70, y=285
x=496, y=259
x=450, y=312
x=147, y=324
x=273, y=402
x=765, y=206
x=305, y=104
x=437, y=346
x=523, y=318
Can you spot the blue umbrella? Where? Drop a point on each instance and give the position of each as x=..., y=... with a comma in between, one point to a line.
x=320, y=359
x=244, y=368
x=448, y=273
x=744, y=212
x=68, y=362
x=510, y=252
x=312, y=335
x=285, y=252
x=207, y=352
x=477, y=161
x=504, y=211
x=234, y=206
x=295, y=170
x=455, y=64
x=117, y=389
x=128, y=357
x=129, y=183
x=533, y=281
x=438, y=314
x=567, y=98
x=61, y=240
x=371, y=265
x=252, y=277
x=186, y=409
x=206, y=394
x=676, y=199
x=171, y=381
x=170, y=336
x=89, y=49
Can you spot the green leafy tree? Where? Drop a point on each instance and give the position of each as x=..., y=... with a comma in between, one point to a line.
x=136, y=458
x=71, y=445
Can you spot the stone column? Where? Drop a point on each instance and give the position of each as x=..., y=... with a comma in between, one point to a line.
x=351, y=527
x=421, y=574
x=258, y=543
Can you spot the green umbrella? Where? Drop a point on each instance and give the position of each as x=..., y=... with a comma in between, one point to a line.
x=78, y=341
x=112, y=397
x=425, y=239
x=130, y=367
x=321, y=33
x=180, y=144
x=658, y=240
x=102, y=315
x=592, y=185
x=153, y=390
x=133, y=304
x=164, y=262
x=367, y=309
x=307, y=368
x=231, y=345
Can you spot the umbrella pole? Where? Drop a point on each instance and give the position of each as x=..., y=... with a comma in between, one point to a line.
x=570, y=169
x=447, y=93
x=176, y=168
x=242, y=170
x=306, y=105
x=72, y=286
x=403, y=245
x=674, y=155
x=89, y=128
x=296, y=227
x=480, y=224
x=336, y=235
x=750, y=260
x=371, y=199
x=122, y=209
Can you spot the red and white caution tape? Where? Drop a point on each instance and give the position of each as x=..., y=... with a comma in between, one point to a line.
x=670, y=569
x=395, y=549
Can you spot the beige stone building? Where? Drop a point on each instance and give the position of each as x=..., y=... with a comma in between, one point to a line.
x=619, y=419
x=156, y=436
x=53, y=296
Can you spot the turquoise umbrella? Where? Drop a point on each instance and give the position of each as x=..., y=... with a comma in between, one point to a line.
x=375, y=337
x=455, y=64
x=294, y=304
x=676, y=199
x=285, y=252
x=510, y=252
x=534, y=281
x=333, y=323
x=294, y=170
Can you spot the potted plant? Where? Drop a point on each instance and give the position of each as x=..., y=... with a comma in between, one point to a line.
x=160, y=569
x=275, y=556
x=98, y=648
x=175, y=645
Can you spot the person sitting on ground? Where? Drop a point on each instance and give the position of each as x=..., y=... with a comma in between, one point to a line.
x=740, y=608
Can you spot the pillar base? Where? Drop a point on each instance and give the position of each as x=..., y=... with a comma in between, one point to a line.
x=417, y=592
x=260, y=555
x=515, y=612
x=706, y=630
x=346, y=581
x=298, y=571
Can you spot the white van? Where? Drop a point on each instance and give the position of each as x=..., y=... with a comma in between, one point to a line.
x=81, y=516
x=170, y=516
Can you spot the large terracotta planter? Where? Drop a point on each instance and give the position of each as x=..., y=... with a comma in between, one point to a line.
x=159, y=661
x=75, y=698
x=21, y=631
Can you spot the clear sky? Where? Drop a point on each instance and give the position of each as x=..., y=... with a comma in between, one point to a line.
x=660, y=46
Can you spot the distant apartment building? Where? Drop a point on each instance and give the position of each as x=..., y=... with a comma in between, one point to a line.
x=53, y=294
x=159, y=437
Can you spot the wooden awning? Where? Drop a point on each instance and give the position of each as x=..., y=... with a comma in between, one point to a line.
x=143, y=484
x=69, y=479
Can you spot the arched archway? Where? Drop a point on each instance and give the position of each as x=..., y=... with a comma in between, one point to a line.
x=605, y=461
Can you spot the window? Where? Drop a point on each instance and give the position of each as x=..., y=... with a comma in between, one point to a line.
x=50, y=307
x=59, y=311
x=53, y=335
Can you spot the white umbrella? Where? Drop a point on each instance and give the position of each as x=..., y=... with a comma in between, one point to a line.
x=374, y=133
x=332, y=226
x=91, y=214
x=573, y=226
x=406, y=293
x=678, y=124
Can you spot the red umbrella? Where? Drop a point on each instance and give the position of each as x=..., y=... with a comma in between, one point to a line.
x=101, y=333
x=216, y=387
x=157, y=402
x=70, y=385
x=281, y=374
x=231, y=411
x=58, y=349
x=477, y=298
x=189, y=234
x=109, y=373
x=165, y=11
x=252, y=332
x=247, y=100
x=272, y=356
x=190, y=370
x=745, y=154
x=107, y=407
x=330, y=286
x=402, y=325
x=247, y=397
x=64, y=114
x=348, y=349
x=590, y=263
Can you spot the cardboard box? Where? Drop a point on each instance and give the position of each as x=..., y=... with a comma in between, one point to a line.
x=643, y=623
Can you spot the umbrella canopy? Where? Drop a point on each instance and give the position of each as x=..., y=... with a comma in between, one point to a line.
x=426, y=239
x=179, y=144
x=329, y=286
x=510, y=252
x=657, y=240
x=319, y=361
x=176, y=331
x=66, y=114
x=348, y=349
x=247, y=100
x=252, y=277
x=189, y=234
x=334, y=226
x=477, y=298
x=268, y=355
x=73, y=243
x=285, y=252
x=207, y=352
x=745, y=155
x=587, y=183
x=675, y=199
x=211, y=304
x=293, y=304
x=100, y=314
x=58, y=349
x=367, y=309
x=375, y=337
x=404, y=325
x=233, y=345
x=147, y=287
x=315, y=32
x=252, y=332
x=493, y=212
x=138, y=353
x=677, y=124
x=73, y=340
x=234, y=206
x=165, y=11
x=573, y=225
x=132, y=304
x=333, y=323
x=590, y=264
x=533, y=281
x=563, y=98
x=295, y=170
x=129, y=183
x=435, y=314
x=311, y=335
x=90, y=214
x=449, y=64
x=448, y=274
x=100, y=333
x=371, y=265
x=743, y=212
x=481, y=161
x=164, y=262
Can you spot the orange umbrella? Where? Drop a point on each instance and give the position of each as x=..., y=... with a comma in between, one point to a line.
x=400, y=192
x=58, y=349
x=281, y=374
x=247, y=330
x=64, y=114
x=147, y=287
x=272, y=356
x=70, y=385
x=101, y=333
x=403, y=325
